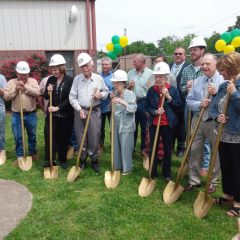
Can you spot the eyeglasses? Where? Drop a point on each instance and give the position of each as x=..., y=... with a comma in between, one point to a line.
x=178, y=54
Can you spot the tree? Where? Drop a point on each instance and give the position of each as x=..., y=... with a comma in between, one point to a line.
x=148, y=49
x=236, y=25
x=211, y=42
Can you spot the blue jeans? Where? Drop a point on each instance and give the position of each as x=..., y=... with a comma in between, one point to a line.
x=2, y=128
x=73, y=141
x=30, y=122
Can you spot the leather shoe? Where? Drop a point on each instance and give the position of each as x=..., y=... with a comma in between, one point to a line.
x=190, y=187
x=95, y=167
x=83, y=165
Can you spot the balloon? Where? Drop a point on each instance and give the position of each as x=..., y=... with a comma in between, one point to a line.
x=220, y=45
x=228, y=49
x=117, y=49
x=235, y=33
x=112, y=55
x=226, y=36
x=109, y=47
x=115, y=39
x=123, y=41
x=236, y=42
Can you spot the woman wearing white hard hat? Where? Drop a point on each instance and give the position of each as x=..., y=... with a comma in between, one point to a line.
x=30, y=91
x=124, y=122
x=168, y=115
x=60, y=85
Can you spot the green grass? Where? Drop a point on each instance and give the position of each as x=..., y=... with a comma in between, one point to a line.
x=86, y=209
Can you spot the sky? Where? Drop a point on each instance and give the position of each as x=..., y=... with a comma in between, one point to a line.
x=150, y=20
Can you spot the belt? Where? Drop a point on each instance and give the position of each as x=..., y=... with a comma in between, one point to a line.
x=26, y=113
x=95, y=108
x=140, y=100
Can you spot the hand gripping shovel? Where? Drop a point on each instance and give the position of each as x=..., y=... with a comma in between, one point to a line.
x=204, y=201
x=173, y=190
x=52, y=171
x=147, y=185
x=24, y=163
x=75, y=170
x=112, y=178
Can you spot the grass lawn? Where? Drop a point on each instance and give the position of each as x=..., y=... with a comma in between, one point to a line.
x=86, y=209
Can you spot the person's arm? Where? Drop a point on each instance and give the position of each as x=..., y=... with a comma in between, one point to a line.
x=10, y=92
x=192, y=103
x=73, y=96
x=131, y=105
x=32, y=89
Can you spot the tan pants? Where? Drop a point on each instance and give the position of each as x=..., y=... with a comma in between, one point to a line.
x=206, y=130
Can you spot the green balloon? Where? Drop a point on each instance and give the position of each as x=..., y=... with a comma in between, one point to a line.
x=117, y=49
x=226, y=36
x=115, y=39
x=112, y=55
x=235, y=33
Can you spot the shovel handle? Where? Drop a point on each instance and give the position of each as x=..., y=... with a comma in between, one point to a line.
x=85, y=129
x=112, y=137
x=215, y=149
x=22, y=122
x=186, y=154
x=50, y=129
x=189, y=117
x=156, y=138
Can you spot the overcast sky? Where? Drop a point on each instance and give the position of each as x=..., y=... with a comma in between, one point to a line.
x=150, y=20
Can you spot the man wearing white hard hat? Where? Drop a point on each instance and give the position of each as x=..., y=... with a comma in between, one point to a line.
x=124, y=122
x=81, y=95
x=197, y=48
x=169, y=119
x=30, y=92
x=63, y=114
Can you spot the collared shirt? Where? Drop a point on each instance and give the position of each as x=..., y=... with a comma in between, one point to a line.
x=29, y=95
x=176, y=68
x=82, y=90
x=198, y=90
x=142, y=81
x=189, y=73
x=3, y=84
x=105, y=103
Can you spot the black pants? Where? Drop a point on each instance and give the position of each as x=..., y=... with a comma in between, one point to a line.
x=229, y=154
x=180, y=133
x=62, y=129
x=166, y=134
x=140, y=118
x=106, y=115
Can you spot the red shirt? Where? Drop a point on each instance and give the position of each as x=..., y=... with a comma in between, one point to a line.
x=164, y=120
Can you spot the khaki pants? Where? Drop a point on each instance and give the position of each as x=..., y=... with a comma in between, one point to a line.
x=206, y=130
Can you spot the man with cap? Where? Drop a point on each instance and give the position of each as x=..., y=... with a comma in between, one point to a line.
x=30, y=91
x=3, y=84
x=197, y=49
x=88, y=86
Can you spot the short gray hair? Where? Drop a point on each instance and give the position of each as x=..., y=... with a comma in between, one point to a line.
x=106, y=59
x=141, y=57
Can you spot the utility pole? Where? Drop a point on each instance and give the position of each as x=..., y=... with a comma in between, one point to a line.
x=124, y=50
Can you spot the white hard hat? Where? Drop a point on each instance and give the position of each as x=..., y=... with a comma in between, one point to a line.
x=22, y=67
x=83, y=58
x=57, y=59
x=161, y=68
x=197, y=42
x=119, y=76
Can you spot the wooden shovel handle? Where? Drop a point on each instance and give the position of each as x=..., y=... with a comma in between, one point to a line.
x=22, y=123
x=50, y=130
x=112, y=137
x=156, y=138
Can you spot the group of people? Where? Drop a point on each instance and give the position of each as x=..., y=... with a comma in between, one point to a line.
x=176, y=92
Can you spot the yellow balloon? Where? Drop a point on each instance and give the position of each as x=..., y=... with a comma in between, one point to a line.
x=228, y=49
x=236, y=42
x=123, y=41
x=220, y=45
x=109, y=47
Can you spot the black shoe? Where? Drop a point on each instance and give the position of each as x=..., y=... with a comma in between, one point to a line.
x=64, y=165
x=190, y=187
x=95, y=167
x=46, y=165
x=180, y=154
x=83, y=165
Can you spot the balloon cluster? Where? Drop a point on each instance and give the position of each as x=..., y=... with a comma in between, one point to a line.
x=115, y=47
x=228, y=41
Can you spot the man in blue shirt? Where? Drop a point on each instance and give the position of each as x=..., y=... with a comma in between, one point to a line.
x=105, y=109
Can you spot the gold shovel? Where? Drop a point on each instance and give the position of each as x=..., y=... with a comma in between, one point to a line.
x=24, y=163
x=52, y=171
x=147, y=185
x=173, y=190
x=204, y=201
x=2, y=157
x=112, y=178
x=237, y=236
x=75, y=170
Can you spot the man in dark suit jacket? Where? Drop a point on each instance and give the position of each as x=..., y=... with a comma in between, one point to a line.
x=177, y=67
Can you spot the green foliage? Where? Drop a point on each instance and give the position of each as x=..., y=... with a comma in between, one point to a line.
x=148, y=49
x=211, y=42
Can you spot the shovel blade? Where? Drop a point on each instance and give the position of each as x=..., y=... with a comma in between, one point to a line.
x=51, y=172
x=70, y=153
x=172, y=192
x=112, y=179
x=73, y=174
x=25, y=163
x=2, y=157
x=146, y=187
x=146, y=162
x=202, y=205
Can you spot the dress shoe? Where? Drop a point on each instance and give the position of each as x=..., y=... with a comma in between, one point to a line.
x=95, y=167
x=64, y=165
x=190, y=187
x=83, y=165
